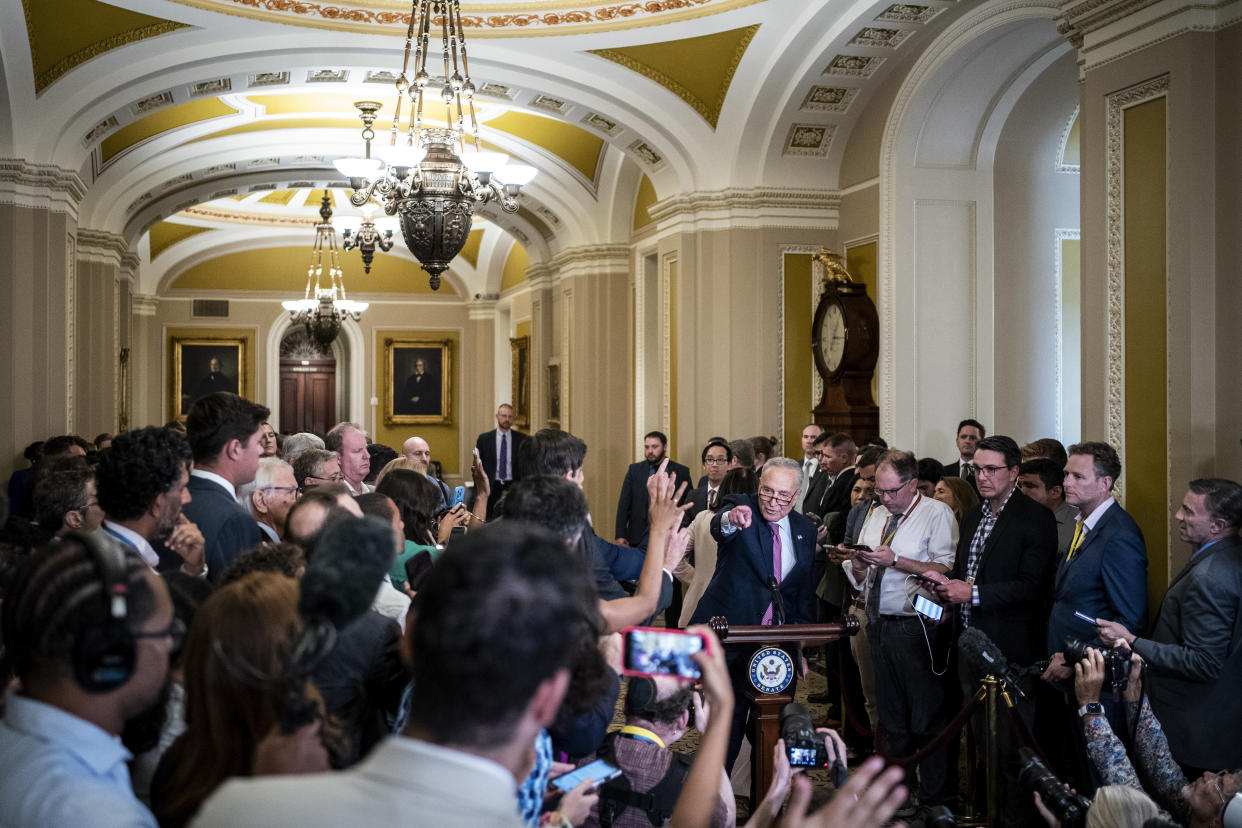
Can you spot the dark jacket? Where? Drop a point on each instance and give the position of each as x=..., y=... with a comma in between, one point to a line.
x=228, y=529
x=633, y=502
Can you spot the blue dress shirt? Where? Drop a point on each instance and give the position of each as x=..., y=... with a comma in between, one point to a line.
x=58, y=769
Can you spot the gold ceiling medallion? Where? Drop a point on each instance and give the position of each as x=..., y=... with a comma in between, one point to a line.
x=482, y=19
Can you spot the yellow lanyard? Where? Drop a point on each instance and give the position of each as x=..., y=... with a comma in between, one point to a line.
x=889, y=540
x=642, y=733
x=1079, y=533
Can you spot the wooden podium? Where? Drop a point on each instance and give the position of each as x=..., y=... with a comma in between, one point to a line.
x=765, y=723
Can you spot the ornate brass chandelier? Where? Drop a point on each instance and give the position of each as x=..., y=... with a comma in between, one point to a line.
x=428, y=176
x=324, y=308
x=366, y=239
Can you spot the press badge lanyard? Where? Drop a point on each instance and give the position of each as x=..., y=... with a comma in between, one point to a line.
x=642, y=733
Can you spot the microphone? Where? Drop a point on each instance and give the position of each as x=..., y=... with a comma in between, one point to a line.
x=778, y=602
x=984, y=658
x=351, y=558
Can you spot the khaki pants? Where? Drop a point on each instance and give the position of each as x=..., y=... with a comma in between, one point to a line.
x=861, y=649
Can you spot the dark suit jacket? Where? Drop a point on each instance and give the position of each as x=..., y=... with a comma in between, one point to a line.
x=632, y=505
x=697, y=498
x=1195, y=659
x=1014, y=576
x=610, y=564
x=823, y=499
x=227, y=528
x=486, y=444
x=1106, y=578
x=954, y=469
x=739, y=587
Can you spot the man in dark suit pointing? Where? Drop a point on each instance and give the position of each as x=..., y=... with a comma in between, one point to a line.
x=762, y=543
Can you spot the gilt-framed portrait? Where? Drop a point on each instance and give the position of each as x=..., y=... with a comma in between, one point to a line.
x=554, y=393
x=519, y=350
x=201, y=365
x=418, y=381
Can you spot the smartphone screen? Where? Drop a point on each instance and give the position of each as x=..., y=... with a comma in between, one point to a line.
x=597, y=771
x=1084, y=617
x=927, y=608
x=657, y=652
x=459, y=496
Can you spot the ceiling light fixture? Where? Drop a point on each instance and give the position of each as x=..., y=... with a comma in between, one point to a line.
x=324, y=308
x=366, y=239
x=428, y=176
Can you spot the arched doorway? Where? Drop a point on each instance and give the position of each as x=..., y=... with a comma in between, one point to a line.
x=307, y=384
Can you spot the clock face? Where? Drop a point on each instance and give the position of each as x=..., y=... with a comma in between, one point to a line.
x=832, y=338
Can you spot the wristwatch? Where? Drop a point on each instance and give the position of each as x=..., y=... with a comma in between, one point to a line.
x=1091, y=709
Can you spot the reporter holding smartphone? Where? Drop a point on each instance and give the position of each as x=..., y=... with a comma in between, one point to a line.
x=904, y=536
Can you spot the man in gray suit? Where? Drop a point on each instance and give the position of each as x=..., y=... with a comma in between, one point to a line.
x=1194, y=652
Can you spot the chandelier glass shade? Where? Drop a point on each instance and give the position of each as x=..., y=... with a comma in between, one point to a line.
x=431, y=177
x=324, y=308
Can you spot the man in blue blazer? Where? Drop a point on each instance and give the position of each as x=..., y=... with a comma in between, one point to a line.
x=746, y=565
x=633, y=502
x=224, y=434
x=1104, y=574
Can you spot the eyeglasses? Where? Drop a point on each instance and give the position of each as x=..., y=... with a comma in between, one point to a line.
x=779, y=497
x=175, y=630
x=988, y=471
x=282, y=488
x=715, y=461
x=336, y=478
x=890, y=492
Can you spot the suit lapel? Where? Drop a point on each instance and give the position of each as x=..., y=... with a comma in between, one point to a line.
x=765, y=548
x=1087, y=543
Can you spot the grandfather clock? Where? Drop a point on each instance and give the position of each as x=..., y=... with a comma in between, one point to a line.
x=846, y=340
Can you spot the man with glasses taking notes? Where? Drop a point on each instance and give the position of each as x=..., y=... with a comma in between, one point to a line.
x=763, y=570
x=904, y=536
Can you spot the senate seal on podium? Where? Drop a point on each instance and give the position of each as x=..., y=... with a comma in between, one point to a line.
x=771, y=670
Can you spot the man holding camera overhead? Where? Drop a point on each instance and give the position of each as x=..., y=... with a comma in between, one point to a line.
x=1194, y=651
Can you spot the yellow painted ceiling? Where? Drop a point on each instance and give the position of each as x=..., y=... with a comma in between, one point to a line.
x=294, y=104
x=515, y=267
x=319, y=122
x=645, y=198
x=579, y=148
x=66, y=33
x=283, y=269
x=314, y=198
x=470, y=251
x=278, y=197
x=165, y=234
x=170, y=117
x=697, y=69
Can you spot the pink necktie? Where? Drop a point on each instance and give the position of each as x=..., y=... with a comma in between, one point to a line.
x=776, y=567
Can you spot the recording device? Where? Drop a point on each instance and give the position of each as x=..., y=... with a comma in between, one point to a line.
x=1068, y=807
x=1116, y=661
x=927, y=608
x=598, y=771
x=459, y=496
x=350, y=560
x=984, y=658
x=1081, y=616
x=939, y=817
x=651, y=651
x=804, y=747
x=778, y=602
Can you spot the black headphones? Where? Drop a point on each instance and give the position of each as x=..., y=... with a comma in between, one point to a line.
x=103, y=657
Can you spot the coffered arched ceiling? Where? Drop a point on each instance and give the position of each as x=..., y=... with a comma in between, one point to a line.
x=162, y=105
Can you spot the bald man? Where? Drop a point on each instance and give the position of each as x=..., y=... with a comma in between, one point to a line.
x=418, y=452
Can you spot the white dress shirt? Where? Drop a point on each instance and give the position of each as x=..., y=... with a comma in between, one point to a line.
x=136, y=541
x=928, y=533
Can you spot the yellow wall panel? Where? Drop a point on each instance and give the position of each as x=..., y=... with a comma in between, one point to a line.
x=443, y=439
x=645, y=197
x=799, y=313
x=164, y=234
x=1146, y=429
x=284, y=269
x=163, y=120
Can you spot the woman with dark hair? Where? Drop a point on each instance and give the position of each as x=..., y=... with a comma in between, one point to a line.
x=741, y=480
x=417, y=499
x=764, y=447
x=234, y=656
x=957, y=494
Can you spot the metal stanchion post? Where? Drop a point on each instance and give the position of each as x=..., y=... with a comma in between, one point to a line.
x=993, y=686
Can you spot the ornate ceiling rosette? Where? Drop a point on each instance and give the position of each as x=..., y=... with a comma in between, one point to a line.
x=480, y=19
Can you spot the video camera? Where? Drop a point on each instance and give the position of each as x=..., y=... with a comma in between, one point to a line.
x=1068, y=807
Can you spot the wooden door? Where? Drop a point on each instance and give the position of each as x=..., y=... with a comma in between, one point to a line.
x=307, y=395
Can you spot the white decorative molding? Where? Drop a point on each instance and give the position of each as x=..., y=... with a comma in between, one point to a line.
x=1058, y=380
x=40, y=186
x=595, y=259
x=481, y=310
x=71, y=327
x=144, y=304
x=666, y=341
x=1104, y=31
x=810, y=140
x=985, y=17
x=1061, y=166
x=99, y=245
x=749, y=208
x=1114, y=169
x=567, y=303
